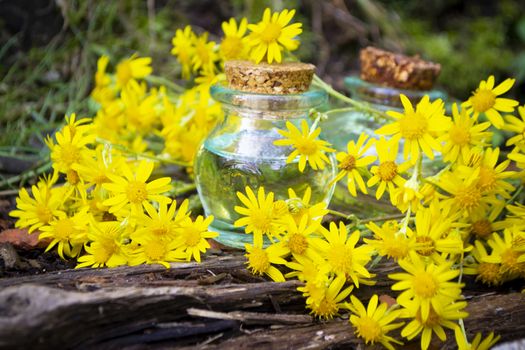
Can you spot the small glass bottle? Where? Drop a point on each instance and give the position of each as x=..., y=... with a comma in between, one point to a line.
x=240, y=152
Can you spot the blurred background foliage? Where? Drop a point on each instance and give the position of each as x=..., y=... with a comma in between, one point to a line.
x=49, y=48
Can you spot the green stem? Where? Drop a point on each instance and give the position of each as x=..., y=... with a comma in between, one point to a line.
x=341, y=214
x=341, y=110
x=26, y=175
x=515, y=195
x=385, y=218
x=143, y=155
x=336, y=94
x=183, y=189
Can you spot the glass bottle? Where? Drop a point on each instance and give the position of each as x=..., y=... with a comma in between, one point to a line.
x=240, y=152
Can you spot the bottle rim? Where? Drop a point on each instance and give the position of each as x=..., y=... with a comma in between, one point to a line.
x=312, y=98
x=387, y=95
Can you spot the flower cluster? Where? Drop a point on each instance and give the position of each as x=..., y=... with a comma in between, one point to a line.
x=265, y=40
x=460, y=220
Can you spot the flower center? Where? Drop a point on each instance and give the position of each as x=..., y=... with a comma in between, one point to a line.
x=103, y=253
x=192, y=236
x=261, y=220
x=425, y=286
x=509, y=260
x=481, y=228
x=306, y=147
x=489, y=273
x=348, y=163
x=271, y=33
x=468, y=198
x=297, y=243
x=483, y=100
x=72, y=177
x=425, y=245
x=369, y=329
x=258, y=261
x=459, y=135
x=154, y=250
x=64, y=228
x=326, y=308
x=487, y=179
x=396, y=248
x=231, y=47
x=69, y=154
x=43, y=213
x=137, y=192
x=160, y=231
x=202, y=52
x=387, y=171
x=340, y=258
x=413, y=126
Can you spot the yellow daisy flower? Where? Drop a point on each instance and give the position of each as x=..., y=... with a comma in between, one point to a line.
x=373, y=323
x=162, y=223
x=388, y=241
x=133, y=68
x=260, y=259
x=418, y=127
x=297, y=238
x=133, y=190
x=485, y=100
x=259, y=216
x=387, y=173
x=94, y=170
x=154, y=251
x=138, y=108
x=273, y=34
x=434, y=323
x=464, y=134
x=191, y=237
x=477, y=342
x=184, y=49
x=506, y=252
x=330, y=299
x=486, y=272
x=340, y=252
x=104, y=248
x=205, y=53
x=68, y=233
x=299, y=207
x=428, y=285
x=306, y=145
x=516, y=126
x=234, y=43
x=354, y=162
x=308, y=270
x=40, y=209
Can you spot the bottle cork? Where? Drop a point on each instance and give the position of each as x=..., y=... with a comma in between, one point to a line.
x=275, y=79
x=396, y=70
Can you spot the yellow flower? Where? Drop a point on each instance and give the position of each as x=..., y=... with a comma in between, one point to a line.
x=299, y=207
x=104, y=249
x=70, y=149
x=407, y=196
x=486, y=272
x=42, y=208
x=354, y=162
x=183, y=48
x=205, y=54
x=273, y=34
x=138, y=108
x=373, y=323
x=434, y=323
x=133, y=68
x=464, y=134
x=485, y=100
x=260, y=259
x=234, y=44
x=477, y=343
x=330, y=298
x=306, y=145
x=94, y=170
x=506, y=252
x=103, y=92
x=133, y=190
x=68, y=233
x=340, y=252
x=428, y=285
x=308, y=270
x=162, y=223
x=191, y=237
x=155, y=251
x=517, y=126
x=418, y=127
x=259, y=217
x=387, y=173
x=298, y=238
x=389, y=241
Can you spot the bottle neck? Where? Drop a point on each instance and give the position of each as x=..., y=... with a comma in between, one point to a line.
x=386, y=97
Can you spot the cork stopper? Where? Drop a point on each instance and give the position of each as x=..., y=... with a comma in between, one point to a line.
x=275, y=79
x=396, y=70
